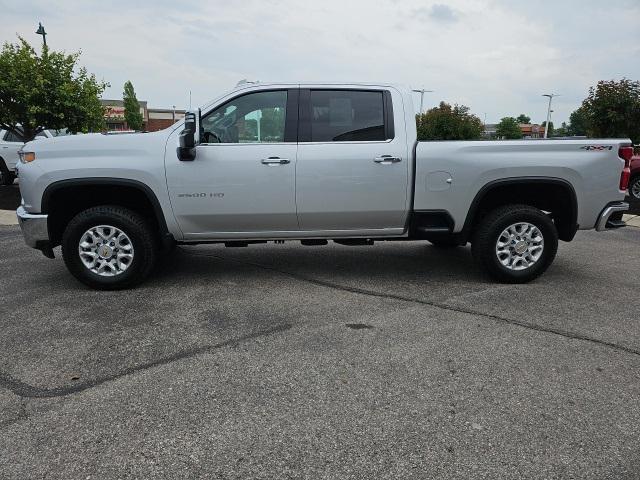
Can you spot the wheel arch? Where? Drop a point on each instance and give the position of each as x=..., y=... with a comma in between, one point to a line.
x=552, y=194
x=63, y=199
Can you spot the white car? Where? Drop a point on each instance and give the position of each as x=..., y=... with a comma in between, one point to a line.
x=10, y=145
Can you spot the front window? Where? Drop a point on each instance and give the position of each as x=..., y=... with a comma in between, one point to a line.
x=253, y=118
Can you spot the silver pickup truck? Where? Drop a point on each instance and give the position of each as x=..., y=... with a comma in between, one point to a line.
x=312, y=162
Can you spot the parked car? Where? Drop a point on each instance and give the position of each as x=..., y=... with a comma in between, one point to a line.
x=10, y=144
x=312, y=162
x=634, y=183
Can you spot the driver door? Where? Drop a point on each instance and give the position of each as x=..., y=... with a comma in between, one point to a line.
x=242, y=181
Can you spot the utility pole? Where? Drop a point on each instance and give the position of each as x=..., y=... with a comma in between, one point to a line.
x=422, y=92
x=41, y=31
x=546, y=126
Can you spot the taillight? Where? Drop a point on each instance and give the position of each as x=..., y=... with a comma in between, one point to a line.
x=625, y=153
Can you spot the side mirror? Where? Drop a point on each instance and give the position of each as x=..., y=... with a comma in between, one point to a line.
x=187, y=139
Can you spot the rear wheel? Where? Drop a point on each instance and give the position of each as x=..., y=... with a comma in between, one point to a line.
x=634, y=187
x=515, y=243
x=109, y=248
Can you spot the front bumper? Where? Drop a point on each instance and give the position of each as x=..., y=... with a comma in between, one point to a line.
x=611, y=216
x=34, y=230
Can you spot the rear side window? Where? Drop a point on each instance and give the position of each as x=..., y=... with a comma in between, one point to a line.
x=12, y=137
x=347, y=116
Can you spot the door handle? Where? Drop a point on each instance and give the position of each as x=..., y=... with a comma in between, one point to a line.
x=275, y=161
x=387, y=159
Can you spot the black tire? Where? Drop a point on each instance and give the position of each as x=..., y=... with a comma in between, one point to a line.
x=133, y=225
x=634, y=184
x=7, y=178
x=488, y=231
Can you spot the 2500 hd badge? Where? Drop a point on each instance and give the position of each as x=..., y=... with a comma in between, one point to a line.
x=201, y=195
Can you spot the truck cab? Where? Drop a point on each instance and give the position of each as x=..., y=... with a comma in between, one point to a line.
x=311, y=161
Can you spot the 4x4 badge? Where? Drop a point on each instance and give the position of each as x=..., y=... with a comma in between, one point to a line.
x=596, y=148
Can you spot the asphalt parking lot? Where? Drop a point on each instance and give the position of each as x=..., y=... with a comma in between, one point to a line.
x=281, y=361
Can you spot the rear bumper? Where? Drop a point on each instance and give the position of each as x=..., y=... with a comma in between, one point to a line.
x=34, y=230
x=611, y=216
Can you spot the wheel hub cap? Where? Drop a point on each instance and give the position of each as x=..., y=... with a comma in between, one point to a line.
x=106, y=250
x=520, y=246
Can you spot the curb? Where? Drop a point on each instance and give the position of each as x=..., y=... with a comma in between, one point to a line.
x=8, y=217
x=632, y=220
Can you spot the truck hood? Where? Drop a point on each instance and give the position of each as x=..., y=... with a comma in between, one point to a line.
x=96, y=145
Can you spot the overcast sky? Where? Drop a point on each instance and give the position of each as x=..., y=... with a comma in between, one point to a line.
x=495, y=56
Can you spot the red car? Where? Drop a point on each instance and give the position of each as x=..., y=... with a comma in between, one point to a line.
x=634, y=183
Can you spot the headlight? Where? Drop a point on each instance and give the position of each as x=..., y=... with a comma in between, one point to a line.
x=26, y=157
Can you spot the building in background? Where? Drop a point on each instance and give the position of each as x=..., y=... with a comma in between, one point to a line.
x=490, y=130
x=152, y=118
x=531, y=130
x=161, y=118
x=528, y=130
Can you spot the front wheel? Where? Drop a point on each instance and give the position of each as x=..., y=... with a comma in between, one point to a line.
x=515, y=243
x=109, y=247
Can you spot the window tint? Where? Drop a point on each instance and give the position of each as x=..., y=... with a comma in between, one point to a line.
x=253, y=118
x=12, y=137
x=347, y=115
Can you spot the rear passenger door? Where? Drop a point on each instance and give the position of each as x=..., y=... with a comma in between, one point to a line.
x=353, y=162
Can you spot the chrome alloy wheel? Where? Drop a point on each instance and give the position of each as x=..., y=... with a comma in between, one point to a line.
x=520, y=246
x=106, y=250
x=634, y=189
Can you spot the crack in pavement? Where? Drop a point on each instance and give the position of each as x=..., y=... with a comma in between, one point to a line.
x=25, y=390
x=441, y=305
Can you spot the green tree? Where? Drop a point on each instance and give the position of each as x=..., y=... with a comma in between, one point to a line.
x=578, y=123
x=272, y=124
x=47, y=91
x=445, y=122
x=612, y=109
x=563, y=131
x=522, y=118
x=551, y=130
x=508, y=129
x=132, y=114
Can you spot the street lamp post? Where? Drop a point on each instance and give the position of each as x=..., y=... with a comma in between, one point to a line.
x=41, y=31
x=422, y=92
x=546, y=126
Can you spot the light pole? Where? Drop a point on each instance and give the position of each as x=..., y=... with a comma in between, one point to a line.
x=422, y=92
x=546, y=126
x=41, y=31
